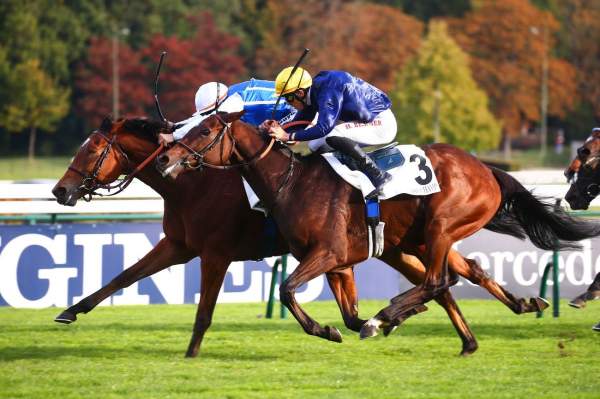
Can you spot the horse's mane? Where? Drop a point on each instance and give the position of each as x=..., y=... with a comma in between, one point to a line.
x=145, y=128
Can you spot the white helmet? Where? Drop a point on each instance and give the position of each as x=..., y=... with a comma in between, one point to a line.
x=209, y=96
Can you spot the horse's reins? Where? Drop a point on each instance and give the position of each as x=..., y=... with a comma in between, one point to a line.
x=90, y=182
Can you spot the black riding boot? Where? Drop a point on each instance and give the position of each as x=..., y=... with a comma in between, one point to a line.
x=365, y=164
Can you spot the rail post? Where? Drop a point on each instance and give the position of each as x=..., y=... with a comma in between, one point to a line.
x=555, y=287
x=271, y=302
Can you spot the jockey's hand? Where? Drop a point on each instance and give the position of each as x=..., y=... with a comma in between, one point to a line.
x=275, y=131
x=166, y=139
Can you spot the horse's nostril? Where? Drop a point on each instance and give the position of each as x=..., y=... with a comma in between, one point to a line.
x=59, y=193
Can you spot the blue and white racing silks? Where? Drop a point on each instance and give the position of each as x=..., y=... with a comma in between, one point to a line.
x=256, y=97
x=259, y=99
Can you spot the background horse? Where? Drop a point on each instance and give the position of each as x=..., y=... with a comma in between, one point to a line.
x=584, y=176
x=323, y=218
x=198, y=202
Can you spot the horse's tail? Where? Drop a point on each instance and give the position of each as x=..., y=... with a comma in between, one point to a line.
x=522, y=214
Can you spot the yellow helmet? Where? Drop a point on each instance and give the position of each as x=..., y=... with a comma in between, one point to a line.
x=299, y=80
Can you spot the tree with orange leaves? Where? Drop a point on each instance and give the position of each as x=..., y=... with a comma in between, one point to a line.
x=368, y=40
x=508, y=42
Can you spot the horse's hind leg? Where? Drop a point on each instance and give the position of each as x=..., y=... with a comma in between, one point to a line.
x=343, y=286
x=470, y=269
x=593, y=292
x=412, y=268
x=166, y=253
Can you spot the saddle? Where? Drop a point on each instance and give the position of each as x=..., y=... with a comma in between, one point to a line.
x=386, y=157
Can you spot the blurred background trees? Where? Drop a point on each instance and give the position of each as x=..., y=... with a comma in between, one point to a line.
x=526, y=68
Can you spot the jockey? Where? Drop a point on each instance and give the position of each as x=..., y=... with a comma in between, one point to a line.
x=351, y=114
x=255, y=97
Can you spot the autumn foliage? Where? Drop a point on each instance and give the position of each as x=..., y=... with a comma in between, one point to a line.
x=368, y=40
x=209, y=55
x=507, y=41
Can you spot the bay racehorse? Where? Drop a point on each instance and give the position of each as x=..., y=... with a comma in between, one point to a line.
x=583, y=175
x=195, y=205
x=323, y=218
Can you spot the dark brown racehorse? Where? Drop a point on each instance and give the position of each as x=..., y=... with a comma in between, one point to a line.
x=584, y=176
x=322, y=217
x=198, y=202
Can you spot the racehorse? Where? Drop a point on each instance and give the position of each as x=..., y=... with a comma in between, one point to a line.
x=198, y=202
x=584, y=176
x=323, y=219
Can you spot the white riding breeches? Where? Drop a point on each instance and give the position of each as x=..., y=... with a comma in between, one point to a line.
x=380, y=130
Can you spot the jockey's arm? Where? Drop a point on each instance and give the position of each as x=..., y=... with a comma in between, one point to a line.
x=329, y=108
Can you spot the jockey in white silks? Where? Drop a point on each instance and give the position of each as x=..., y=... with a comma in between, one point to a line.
x=255, y=97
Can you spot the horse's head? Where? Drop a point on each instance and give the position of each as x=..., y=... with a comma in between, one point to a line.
x=102, y=158
x=584, y=173
x=211, y=144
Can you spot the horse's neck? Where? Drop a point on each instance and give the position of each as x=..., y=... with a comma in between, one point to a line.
x=166, y=188
x=266, y=176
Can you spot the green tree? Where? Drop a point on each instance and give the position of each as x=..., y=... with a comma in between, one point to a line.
x=436, y=98
x=36, y=102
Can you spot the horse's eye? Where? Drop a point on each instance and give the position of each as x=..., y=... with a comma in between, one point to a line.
x=205, y=131
x=583, y=152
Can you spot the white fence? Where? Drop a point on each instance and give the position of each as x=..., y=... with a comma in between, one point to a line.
x=19, y=198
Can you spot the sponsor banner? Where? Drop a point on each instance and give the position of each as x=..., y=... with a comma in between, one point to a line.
x=58, y=265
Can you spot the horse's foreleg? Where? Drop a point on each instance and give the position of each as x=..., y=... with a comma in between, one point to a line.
x=412, y=268
x=212, y=276
x=343, y=286
x=470, y=269
x=593, y=292
x=312, y=265
x=166, y=253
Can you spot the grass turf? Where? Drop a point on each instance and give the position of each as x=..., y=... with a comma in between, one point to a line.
x=137, y=352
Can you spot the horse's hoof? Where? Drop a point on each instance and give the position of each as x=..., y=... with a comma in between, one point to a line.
x=370, y=329
x=596, y=327
x=469, y=349
x=387, y=330
x=539, y=303
x=333, y=334
x=577, y=303
x=65, y=317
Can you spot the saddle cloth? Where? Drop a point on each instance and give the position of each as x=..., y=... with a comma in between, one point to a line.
x=410, y=168
x=411, y=171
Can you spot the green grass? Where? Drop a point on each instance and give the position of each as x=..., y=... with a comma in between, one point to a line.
x=137, y=352
x=19, y=168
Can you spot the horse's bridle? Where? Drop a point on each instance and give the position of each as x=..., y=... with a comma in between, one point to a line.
x=198, y=156
x=226, y=129
x=90, y=183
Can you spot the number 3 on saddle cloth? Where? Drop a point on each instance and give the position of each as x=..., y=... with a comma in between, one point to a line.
x=411, y=172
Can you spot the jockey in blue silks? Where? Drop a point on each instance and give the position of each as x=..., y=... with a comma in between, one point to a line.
x=255, y=97
x=351, y=114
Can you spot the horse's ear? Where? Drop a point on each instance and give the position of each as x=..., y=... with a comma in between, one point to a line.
x=106, y=125
x=233, y=116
